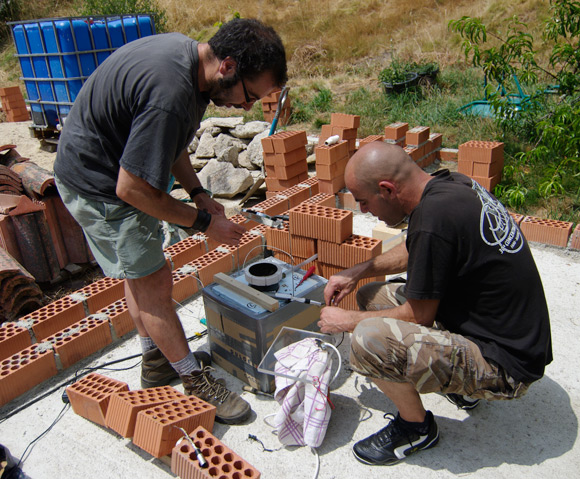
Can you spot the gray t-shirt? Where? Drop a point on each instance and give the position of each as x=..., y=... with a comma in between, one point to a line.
x=139, y=109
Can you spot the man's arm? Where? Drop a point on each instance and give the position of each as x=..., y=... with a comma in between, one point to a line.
x=336, y=320
x=159, y=204
x=187, y=177
x=392, y=262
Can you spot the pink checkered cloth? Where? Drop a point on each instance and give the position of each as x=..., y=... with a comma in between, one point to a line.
x=303, y=418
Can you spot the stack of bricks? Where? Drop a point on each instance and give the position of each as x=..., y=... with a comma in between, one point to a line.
x=343, y=125
x=417, y=144
x=481, y=161
x=13, y=104
x=285, y=159
x=270, y=105
x=331, y=163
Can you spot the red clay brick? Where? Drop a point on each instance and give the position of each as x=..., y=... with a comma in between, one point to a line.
x=370, y=139
x=291, y=171
x=329, y=172
x=211, y=263
x=345, y=120
x=418, y=136
x=223, y=462
x=13, y=338
x=481, y=170
x=119, y=317
x=481, y=151
x=273, y=206
x=449, y=154
x=124, y=406
x=354, y=250
x=280, y=239
x=298, y=193
x=396, y=131
x=89, y=397
x=488, y=183
x=545, y=231
x=332, y=186
x=347, y=201
x=156, y=428
x=322, y=199
x=249, y=247
x=185, y=283
x=575, y=238
x=517, y=217
x=55, y=316
x=102, y=293
x=286, y=141
x=285, y=159
x=319, y=222
x=185, y=251
x=275, y=184
x=24, y=370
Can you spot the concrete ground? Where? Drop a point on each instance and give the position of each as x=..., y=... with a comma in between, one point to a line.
x=535, y=436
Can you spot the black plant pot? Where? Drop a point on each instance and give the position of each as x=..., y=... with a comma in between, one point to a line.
x=428, y=78
x=412, y=80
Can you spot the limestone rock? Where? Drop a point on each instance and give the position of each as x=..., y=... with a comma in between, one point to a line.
x=205, y=149
x=250, y=129
x=224, y=180
x=244, y=161
x=193, y=145
x=255, y=149
x=229, y=155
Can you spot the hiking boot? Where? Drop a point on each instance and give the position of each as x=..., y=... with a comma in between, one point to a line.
x=157, y=371
x=462, y=402
x=396, y=441
x=231, y=408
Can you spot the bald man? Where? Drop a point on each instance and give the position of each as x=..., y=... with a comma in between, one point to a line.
x=471, y=322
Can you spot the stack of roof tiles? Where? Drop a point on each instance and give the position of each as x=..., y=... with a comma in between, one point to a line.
x=285, y=159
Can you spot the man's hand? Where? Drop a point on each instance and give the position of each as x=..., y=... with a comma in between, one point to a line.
x=225, y=231
x=339, y=286
x=336, y=320
x=204, y=202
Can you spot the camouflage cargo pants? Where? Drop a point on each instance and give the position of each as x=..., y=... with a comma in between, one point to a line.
x=432, y=359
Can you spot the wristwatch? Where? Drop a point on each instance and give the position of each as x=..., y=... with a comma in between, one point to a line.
x=199, y=189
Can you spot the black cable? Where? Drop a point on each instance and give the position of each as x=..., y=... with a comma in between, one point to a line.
x=264, y=448
x=341, y=340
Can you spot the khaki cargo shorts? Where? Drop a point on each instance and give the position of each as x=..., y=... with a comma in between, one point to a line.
x=126, y=242
x=432, y=359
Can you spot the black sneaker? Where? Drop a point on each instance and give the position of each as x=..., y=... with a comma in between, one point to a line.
x=230, y=408
x=157, y=371
x=462, y=402
x=395, y=442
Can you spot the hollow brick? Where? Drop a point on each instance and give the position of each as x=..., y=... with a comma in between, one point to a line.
x=55, y=316
x=24, y=370
x=82, y=339
x=185, y=251
x=332, y=186
x=101, y=293
x=575, y=238
x=330, y=154
x=345, y=120
x=119, y=317
x=322, y=199
x=329, y=172
x=396, y=131
x=89, y=397
x=13, y=338
x=212, y=263
x=285, y=159
x=418, y=135
x=481, y=151
x=286, y=141
x=223, y=462
x=156, y=428
x=275, y=184
x=370, y=139
x=546, y=231
x=319, y=222
x=185, y=284
x=354, y=250
x=125, y=405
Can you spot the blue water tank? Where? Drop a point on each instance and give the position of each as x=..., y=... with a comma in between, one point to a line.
x=57, y=55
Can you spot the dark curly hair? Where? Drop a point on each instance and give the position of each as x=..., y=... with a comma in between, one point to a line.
x=255, y=47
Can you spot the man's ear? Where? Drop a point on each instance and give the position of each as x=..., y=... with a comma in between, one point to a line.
x=387, y=189
x=228, y=66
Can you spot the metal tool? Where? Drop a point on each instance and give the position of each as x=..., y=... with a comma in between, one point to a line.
x=276, y=221
x=252, y=390
x=297, y=299
x=200, y=458
x=309, y=273
x=306, y=261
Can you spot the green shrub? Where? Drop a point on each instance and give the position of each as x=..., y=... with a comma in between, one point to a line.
x=113, y=7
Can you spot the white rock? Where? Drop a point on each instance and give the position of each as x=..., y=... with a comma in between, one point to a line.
x=224, y=180
x=244, y=161
x=193, y=145
x=250, y=129
x=229, y=155
x=205, y=149
x=255, y=149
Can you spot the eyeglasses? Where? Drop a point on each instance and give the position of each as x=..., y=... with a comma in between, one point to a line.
x=248, y=99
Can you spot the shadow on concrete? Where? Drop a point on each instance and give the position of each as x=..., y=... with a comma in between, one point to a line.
x=527, y=432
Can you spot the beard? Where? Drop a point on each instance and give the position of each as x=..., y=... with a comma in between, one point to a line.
x=219, y=91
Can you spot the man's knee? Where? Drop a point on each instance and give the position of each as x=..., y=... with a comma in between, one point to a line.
x=157, y=285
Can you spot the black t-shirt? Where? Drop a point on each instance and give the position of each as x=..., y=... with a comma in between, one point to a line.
x=139, y=110
x=466, y=251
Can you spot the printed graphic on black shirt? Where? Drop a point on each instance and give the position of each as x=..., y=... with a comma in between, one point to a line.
x=497, y=227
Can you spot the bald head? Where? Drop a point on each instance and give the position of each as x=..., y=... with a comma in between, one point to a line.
x=376, y=162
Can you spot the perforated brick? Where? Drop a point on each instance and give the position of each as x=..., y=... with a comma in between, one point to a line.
x=285, y=159
x=370, y=139
x=248, y=247
x=517, y=217
x=449, y=154
x=319, y=222
x=329, y=172
x=354, y=250
x=322, y=199
x=488, y=183
x=156, y=427
x=185, y=251
x=275, y=184
x=396, y=131
x=298, y=193
x=55, y=316
x=211, y=263
x=24, y=370
x=223, y=462
x=185, y=283
x=286, y=141
x=546, y=231
x=119, y=317
x=82, y=339
x=272, y=206
x=290, y=171
x=124, y=406
x=418, y=135
x=329, y=154
x=102, y=293
x=331, y=186
x=13, y=338
x=89, y=396
x=280, y=240
x=575, y=238
x=481, y=151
